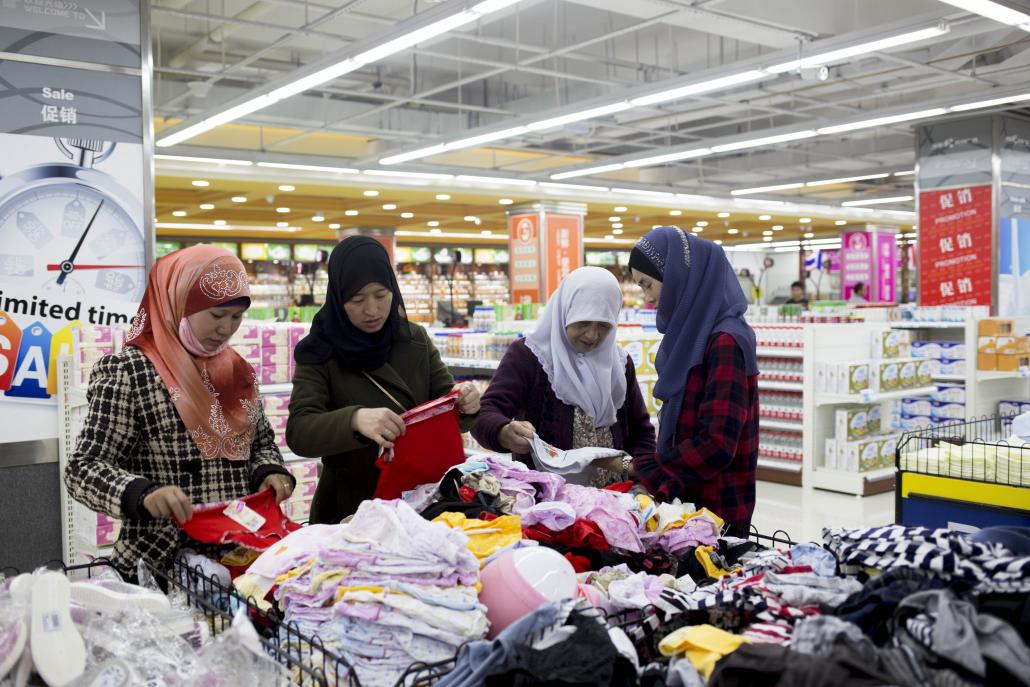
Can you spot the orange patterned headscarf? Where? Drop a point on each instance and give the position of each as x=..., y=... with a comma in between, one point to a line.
x=216, y=396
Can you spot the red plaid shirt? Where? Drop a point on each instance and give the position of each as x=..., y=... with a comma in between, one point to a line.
x=717, y=440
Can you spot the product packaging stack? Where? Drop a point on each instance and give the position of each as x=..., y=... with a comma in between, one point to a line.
x=1009, y=409
x=1000, y=347
x=95, y=533
x=93, y=342
x=298, y=506
x=891, y=367
x=641, y=343
x=865, y=438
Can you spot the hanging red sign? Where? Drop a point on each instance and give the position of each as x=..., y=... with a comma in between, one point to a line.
x=955, y=257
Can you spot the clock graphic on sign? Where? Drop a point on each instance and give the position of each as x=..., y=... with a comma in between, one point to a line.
x=66, y=229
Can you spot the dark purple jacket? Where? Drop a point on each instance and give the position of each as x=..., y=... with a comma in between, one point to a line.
x=520, y=390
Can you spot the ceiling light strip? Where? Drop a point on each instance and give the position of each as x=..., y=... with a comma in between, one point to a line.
x=414, y=31
x=710, y=85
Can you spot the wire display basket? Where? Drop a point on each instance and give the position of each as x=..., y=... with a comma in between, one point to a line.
x=305, y=658
x=963, y=473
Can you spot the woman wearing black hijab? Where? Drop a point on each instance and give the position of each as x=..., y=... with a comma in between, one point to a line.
x=362, y=365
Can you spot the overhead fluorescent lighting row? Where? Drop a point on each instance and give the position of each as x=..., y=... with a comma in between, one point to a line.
x=221, y=227
x=793, y=136
x=808, y=184
x=677, y=93
x=338, y=69
x=842, y=54
x=309, y=168
x=994, y=10
x=204, y=160
x=876, y=201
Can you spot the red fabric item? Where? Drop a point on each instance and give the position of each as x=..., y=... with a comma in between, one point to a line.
x=796, y=569
x=620, y=487
x=579, y=563
x=211, y=525
x=467, y=494
x=717, y=440
x=431, y=446
x=584, y=533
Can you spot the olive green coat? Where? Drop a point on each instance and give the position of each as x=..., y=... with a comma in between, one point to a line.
x=325, y=398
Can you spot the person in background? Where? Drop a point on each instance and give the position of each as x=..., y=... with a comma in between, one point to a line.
x=569, y=382
x=798, y=295
x=858, y=294
x=175, y=419
x=707, y=377
x=360, y=367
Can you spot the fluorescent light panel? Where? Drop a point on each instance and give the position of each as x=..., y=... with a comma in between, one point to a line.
x=345, y=66
x=587, y=171
x=990, y=103
x=206, y=160
x=495, y=180
x=765, y=189
x=670, y=157
x=700, y=87
x=308, y=168
x=842, y=54
x=883, y=121
x=764, y=141
x=994, y=10
x=876, y=201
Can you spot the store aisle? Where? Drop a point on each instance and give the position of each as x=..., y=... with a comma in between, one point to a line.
x=803, y=513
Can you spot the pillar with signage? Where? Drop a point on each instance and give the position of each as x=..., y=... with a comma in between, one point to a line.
x=869, y=256
x=383, y=235
x=545, y=244
x=974, y=213
x=76, y=235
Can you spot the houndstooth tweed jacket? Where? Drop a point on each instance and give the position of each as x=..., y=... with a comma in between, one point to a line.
x=132, y=438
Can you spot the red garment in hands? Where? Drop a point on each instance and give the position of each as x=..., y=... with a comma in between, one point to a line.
x=211, y=525
x=431, y=446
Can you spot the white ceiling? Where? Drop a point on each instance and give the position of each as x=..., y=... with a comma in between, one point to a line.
x=547, y=56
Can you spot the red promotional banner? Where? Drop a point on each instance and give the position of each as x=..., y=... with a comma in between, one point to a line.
x=564, y=248
x=524, y=246
x=955, y=257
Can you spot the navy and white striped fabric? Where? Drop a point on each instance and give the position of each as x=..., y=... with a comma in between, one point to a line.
x=945, y=553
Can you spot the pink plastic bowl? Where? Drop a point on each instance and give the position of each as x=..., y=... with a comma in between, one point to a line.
x=521, y=581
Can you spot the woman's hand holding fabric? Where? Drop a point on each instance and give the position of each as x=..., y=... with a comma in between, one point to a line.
x=165, y=502
x=515, y=436
x=468, y=399
x=380, y=425
x=281, y=484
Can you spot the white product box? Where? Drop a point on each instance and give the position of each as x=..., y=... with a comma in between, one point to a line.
x=859, y=456
x=925, y=372
x=830, y=456
x=913, y=406
x=884, y=375
x=874, y=419
x=950, y=393
x=888, y=450
x=926, y=349
x=908, y=377
x=892, y=343
x=847, y=378
x=949, y=366
x=915, y=423
x=947, y=411
x=852, y=423
x=954, y=350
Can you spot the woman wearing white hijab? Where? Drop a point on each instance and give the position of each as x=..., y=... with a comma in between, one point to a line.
x=568, y=381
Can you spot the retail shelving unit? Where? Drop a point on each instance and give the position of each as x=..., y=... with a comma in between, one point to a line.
x=829, y=343
x=983, y=388
x=71, y=401
x=775, y=463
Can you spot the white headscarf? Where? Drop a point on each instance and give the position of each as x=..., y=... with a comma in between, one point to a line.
x=594, y=382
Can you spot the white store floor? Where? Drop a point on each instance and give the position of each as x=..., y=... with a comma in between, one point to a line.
x=802, y=513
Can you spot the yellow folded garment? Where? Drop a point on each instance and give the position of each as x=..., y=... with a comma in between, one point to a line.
x=704, y=514
x=704, y=557
x=486, y=537
x=702, y=645
x=295, y=572
x=343, y=591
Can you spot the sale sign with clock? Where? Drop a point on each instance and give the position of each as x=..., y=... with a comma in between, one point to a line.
x=955, y=250
x=72, y=245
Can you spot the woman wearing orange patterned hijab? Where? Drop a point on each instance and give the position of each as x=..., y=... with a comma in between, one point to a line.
x=174, y=418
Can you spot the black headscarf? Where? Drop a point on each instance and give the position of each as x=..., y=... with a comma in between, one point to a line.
x=355, y=262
